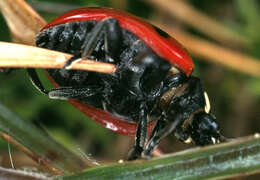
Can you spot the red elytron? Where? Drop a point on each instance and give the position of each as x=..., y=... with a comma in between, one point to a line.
x=167, y=48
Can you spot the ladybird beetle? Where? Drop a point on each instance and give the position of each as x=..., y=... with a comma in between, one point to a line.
x=151, y=94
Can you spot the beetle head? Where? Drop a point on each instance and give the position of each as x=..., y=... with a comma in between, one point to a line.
x=204, y=130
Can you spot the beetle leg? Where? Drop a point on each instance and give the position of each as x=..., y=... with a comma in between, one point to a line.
x=145, y=72
x=113, y=36
x=174, y=81
x=64, y=72
x=154, y=139
x=67, y=93
x=109, y=28
x=141, y=134
x=36, y=81
x=183, y=136
x=161, y=129
x=138, y=74
x=64, y=93
x=155, y=70
x=113, y=40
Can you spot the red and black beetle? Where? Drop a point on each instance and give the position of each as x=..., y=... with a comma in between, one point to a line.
x=153, y=81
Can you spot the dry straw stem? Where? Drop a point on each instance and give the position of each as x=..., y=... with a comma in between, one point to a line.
x=215, y=53
x=23, y=56
x=24, y=23
x=200, y=21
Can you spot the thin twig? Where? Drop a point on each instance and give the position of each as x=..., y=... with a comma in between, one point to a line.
x=23, y=56
x=29, y=153
x=200, y=21
x=52, y=6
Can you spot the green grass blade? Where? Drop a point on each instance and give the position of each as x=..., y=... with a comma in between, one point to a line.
x=236, y=158
x=37, y=144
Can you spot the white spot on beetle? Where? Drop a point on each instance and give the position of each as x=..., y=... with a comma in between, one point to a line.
x=214, y=140
x=111, y=126
x=188, y=140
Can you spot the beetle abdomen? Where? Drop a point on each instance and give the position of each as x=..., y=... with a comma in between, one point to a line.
x=69, y=37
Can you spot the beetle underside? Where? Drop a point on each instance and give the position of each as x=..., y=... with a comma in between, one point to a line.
x=145, y=87
x=126, y=108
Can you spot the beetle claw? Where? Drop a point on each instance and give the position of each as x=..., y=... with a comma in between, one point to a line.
x=134, y=153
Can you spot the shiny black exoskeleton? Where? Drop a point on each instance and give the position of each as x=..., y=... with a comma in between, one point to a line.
x=145, y=87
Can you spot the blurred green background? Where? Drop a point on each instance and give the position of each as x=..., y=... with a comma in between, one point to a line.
x=235, y=96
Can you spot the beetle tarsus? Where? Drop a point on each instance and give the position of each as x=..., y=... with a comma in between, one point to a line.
x=110, y=29
x=135, y=153
x=160, y=133
x=67, y=93
x=36, y=80
x=141, y=134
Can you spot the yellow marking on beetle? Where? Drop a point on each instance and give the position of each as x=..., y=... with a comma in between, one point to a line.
x=207, y=106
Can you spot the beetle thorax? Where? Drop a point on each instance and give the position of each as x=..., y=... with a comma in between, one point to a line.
x=184, y=99
x=174, y=92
